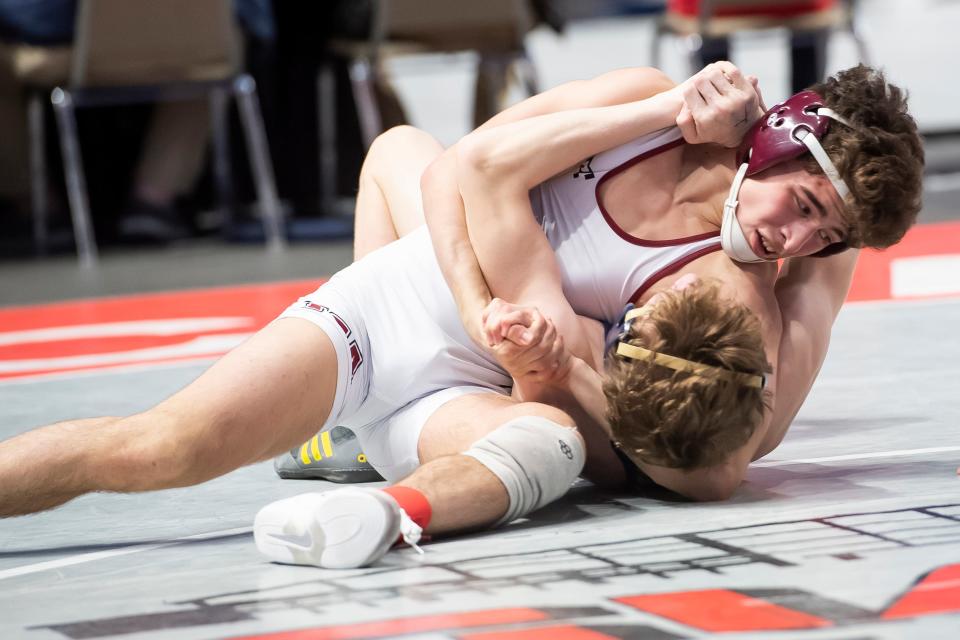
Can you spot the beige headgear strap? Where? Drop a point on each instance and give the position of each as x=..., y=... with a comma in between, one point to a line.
x=682, y=364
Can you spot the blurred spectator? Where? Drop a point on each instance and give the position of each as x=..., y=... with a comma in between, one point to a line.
x=173, y=150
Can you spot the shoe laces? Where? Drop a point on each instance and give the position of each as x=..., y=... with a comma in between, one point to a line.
x=410, y=531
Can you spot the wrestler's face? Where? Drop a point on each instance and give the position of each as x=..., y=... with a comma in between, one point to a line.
x=786, y=211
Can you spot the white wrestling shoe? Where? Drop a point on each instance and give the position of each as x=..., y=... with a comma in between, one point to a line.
x=339, y=529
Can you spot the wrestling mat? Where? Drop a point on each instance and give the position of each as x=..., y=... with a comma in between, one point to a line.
x=850, y=530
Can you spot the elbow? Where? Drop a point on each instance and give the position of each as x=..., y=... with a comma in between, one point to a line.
x=478, y=160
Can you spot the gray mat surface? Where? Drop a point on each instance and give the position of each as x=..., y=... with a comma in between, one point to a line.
x=857, y=506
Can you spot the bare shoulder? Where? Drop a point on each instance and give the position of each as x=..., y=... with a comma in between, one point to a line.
x=749, y=284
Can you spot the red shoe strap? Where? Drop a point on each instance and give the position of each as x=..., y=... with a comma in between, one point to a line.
x=413, y=502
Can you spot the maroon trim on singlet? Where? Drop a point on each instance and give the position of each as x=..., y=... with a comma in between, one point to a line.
x=673, y=267
x=617, y=229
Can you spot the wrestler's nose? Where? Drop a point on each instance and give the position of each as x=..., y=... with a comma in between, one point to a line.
x=796, y=235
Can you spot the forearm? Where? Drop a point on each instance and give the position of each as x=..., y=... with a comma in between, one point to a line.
x=444, y=207
x=446, y=220
x=810, y=292
x=524, y=154
x=578, y=389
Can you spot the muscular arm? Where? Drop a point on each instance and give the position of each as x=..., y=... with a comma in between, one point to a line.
x=749, y=285
x=495, y=169
x=810, y=292
x=807, y=297
x=444, y=207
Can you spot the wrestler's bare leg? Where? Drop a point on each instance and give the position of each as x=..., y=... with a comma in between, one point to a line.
x=463, y=493
x=388, y=197
x=262, y=398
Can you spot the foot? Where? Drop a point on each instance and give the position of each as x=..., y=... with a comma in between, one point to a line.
x=146, y=223
x=340, y=529
x=334, y=456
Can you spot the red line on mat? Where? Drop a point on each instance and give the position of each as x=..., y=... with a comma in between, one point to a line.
x=397, y=626
x=937, y=592
x=723, y=610
x=565, y=632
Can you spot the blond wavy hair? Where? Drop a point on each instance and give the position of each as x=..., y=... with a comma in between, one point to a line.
x=681, y=420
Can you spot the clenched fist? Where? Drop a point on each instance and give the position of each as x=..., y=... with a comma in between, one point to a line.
x=523, y=341
x=719, y=105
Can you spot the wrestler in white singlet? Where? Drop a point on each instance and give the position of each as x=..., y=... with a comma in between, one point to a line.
x=402, y=350
x=602, y=266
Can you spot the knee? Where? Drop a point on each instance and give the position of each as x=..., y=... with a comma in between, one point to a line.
x=545, y=411
x=156, y=452
x=536, y=459
x=400, y=138
x=557, y=416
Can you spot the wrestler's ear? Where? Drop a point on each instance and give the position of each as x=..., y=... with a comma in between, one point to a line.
x=755, y=81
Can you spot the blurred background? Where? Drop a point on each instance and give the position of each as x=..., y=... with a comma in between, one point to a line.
x=154, y=145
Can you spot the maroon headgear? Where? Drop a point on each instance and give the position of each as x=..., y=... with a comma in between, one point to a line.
x=772, y=139
x=782, y=133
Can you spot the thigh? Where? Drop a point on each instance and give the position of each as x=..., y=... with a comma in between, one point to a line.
x=262, y=398
x=457, y=424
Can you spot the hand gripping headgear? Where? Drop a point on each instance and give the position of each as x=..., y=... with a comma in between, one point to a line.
x=783, y=133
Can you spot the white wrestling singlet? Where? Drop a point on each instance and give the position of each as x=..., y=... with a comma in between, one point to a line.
x=401, y=348
x=603, y=267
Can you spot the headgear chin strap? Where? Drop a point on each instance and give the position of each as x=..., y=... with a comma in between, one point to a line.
x=783, y=133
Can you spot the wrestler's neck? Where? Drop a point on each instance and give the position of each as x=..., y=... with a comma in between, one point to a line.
x=706, y=173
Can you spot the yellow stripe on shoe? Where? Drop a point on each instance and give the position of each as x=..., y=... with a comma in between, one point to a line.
x=304, y=456
x=315, y=448
x=327, y=445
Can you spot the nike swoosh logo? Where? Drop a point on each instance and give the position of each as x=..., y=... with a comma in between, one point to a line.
x=304, y=541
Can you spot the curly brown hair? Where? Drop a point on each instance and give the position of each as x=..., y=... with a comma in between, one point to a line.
x=880, y=157
x=683, y=420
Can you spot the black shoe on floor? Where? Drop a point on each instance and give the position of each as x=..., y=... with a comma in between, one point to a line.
x=145, y=223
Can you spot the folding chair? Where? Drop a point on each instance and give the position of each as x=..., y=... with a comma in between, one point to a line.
x=135, y=51
x=694, y=20
x=495, y=29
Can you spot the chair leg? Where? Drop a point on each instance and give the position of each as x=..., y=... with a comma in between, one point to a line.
x=363, y=82
x=863, y=55
x=220, y=153
x=327, y=134
x=694, y=46
x=245, y=89
x=491, y=86
x=73, y=172
x=527, y=74
x=656, y=42
x=38, y=170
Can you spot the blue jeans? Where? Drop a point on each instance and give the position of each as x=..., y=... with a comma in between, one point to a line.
x=50, y=22
x=40, y=22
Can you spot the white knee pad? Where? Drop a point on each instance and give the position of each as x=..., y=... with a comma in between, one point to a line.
x=536, y=460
